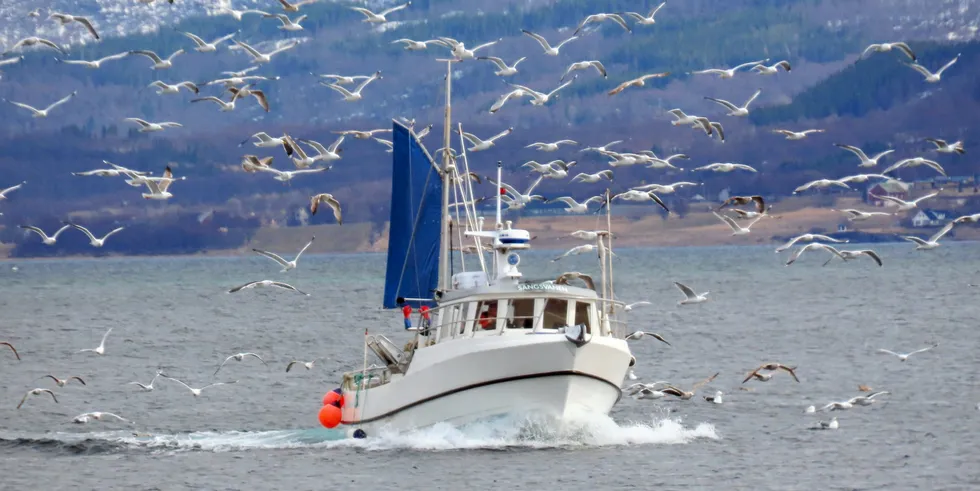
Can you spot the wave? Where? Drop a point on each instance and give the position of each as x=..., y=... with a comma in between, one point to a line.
x=504, y=433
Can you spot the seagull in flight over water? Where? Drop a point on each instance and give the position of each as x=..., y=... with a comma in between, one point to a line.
x=276, y=284
x=148, y=387
x=306, y=364
x=97, y=416
x=100, y=350
x=689, y=296
x=36, y=392
x=905, y=356
x=639, y=335
x=239, y=357
x=286, y=265
x=197, y=392
x=93, y=241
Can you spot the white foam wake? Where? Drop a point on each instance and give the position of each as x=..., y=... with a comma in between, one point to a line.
x=499, y=433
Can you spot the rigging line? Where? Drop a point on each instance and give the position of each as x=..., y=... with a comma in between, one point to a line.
x=478, y=241
x=456, y=193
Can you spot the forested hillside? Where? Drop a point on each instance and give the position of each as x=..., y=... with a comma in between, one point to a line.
x=877, y=102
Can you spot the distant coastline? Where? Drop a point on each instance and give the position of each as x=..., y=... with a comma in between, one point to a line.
x=551, y=233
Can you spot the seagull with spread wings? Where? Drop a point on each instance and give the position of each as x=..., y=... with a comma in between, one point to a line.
x=690, y=297
x=905, y=356
x=603, y=17
x=33, y=41
x=258, y=57
x=585, y=65
x=204, y=46
x=36, y=392
x=355, y=95
x=45, y=239
x=93, y=240
x=635, y=335
x=99, y=350
x=886, y=47
x=729, y=72
x=43, y=113
x=808, y=238
x=94, y=64
x=286, y=265
x=380, y=17
x=933, y=77
x=16, y=354
x=637, y=82
x=865, y=160
x=480, y=145
x=548, y=48
x=685, y=395
x=197, y=392
x=239, y=357
x=267, y=283
x=759, y=375
x=933, y=242
x=158, y=63
x=646, y=20
x=505, y=70
x=734, y=110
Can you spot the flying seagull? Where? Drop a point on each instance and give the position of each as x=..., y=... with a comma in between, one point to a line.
x=639, y=335
x=905, y=356
x=158, y=63
x=16, y=354
x=100, y=350
x=646, y=20
x=239, y=357
x=43, y=113
x=734, y=110
x=886, y=47
x=97, y=416
x=265, y=283
x=36, y=392
x=729, y=72
x=933, y=77
x=602, y=17
x=286, y=265
x=93, y=241
x=62, y=382
x=197, y=392
x=865, y=160
x=380, y=17
x=690, y=297
x=770, y=367
x=332, y=202
x=548, y=48
x=44, y=237
x=306, y=364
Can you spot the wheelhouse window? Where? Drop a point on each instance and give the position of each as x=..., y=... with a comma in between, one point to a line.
x=487, y=318
x=583, y=315
x=555, y=314
x=520, y=313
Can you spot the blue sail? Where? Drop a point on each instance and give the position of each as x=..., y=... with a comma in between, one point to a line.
x=416, y=212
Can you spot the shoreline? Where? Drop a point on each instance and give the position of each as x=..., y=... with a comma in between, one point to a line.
x=637, y=228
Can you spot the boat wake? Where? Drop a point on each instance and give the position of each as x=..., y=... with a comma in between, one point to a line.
x=504, y=433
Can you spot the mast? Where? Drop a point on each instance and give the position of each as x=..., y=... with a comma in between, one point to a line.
x=446, y=176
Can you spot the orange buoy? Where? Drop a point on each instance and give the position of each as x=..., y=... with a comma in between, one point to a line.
x=334, y=398
x=329, y=416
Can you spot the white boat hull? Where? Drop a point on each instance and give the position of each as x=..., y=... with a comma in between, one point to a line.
x=512, y=374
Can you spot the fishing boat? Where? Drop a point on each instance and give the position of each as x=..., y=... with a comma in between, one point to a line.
x=488, y=342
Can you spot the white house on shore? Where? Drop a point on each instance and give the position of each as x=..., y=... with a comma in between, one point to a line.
x=930, y=218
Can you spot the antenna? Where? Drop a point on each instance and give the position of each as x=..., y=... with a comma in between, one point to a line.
x=499, y=188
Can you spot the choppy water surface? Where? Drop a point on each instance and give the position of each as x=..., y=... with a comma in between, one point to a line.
x=262, y=433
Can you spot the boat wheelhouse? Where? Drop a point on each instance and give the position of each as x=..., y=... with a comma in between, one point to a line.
x=486, y=342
